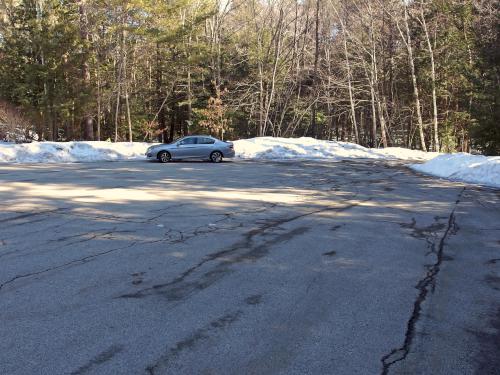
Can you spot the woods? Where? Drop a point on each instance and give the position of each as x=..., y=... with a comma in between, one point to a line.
x=420, y=74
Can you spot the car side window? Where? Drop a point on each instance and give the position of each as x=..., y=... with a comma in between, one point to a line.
x=188, y=141
x=206, y=141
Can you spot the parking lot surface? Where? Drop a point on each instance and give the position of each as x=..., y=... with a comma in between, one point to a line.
x=349, y=267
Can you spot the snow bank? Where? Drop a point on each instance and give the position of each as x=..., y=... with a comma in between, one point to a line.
x=268, y=148
x=64, y=152
x=464, y=167
x=309, y=148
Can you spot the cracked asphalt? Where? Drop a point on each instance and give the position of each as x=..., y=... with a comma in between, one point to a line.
x=352, y=267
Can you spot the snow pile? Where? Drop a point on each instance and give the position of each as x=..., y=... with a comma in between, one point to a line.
x=64, y=152
x=464, y=167
x=272, y=148
x=268, y=148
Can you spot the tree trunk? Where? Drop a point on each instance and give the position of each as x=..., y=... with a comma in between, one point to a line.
x=159, y=98
x=189, y=104
x=374, y=116
x=171, y=135
x=118, y=94
x=314, y=126
x=383, y=126
x=349, y=77
x=349, y=86
x=275, y=68
x=125, y=82
x=130, y=135
x=433, y=79
x=99, y=114
x=414, y=80
x=87, y=121
x=375, y=82
x=261, y=101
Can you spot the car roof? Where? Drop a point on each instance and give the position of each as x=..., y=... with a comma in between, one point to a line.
x=199, y=135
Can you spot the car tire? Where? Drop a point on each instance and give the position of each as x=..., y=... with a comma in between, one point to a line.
x=216, y=157
x=164, y=157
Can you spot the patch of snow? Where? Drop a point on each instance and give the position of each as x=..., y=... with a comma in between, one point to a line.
x=268, y=148
x=463, y=167
x=477, y=169
x=70, y=152
x=273, y=148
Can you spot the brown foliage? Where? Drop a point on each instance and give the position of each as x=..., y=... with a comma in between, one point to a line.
x=214, y=117
x=14, y=125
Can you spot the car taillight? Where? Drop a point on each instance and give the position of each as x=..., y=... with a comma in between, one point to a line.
x=231, y=145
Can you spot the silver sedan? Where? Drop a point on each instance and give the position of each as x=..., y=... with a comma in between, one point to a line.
x=192, y=147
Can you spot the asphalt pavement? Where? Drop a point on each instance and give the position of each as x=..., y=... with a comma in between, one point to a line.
x=303, y=267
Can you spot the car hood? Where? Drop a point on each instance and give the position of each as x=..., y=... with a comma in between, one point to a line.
x=160, y=145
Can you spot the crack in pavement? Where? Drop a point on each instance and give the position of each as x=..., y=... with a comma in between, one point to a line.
x=205, y=229
x=176, y=236
x=81, y=260
x=98, y=360
x=423, y=286
x=192, y=340
x=197, y=231
x=91, y=235
x=97, y=217
x=108, y=235
x=79, y=235
x=55, y=228
x=178, y=288
x=429, y=233
x=29, y=214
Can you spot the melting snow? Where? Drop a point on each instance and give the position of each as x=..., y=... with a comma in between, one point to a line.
x=310, y=148
x=64, y=152
x=462, y=167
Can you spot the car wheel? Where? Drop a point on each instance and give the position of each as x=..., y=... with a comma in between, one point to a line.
x=216, y=157
x=164, y=157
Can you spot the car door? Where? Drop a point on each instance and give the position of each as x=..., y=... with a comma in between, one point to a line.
x=205, y=147
x=186, y=148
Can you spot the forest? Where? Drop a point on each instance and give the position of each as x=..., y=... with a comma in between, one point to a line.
x=416, y=74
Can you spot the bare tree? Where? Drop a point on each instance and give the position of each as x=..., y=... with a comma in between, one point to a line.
x=406, y=37
x=433, y=77
x=87, y=121
x=349, y=74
